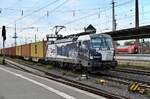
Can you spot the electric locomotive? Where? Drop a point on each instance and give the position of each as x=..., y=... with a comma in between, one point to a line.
x=85, y=50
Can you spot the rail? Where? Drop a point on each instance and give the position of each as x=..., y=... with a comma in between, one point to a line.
x=67, y=81
x=135, y=57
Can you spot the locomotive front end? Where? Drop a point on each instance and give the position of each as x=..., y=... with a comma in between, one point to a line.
x=101, y=52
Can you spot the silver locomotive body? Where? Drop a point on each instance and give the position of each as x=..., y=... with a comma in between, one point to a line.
x=95, y=52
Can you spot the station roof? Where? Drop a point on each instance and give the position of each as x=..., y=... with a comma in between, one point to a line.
x=131, y=33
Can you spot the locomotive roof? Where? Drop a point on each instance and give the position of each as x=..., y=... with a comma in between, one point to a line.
x=87, y=37
x=100, y=34
x=84, y=37
x=80, y=38
x=71, y=39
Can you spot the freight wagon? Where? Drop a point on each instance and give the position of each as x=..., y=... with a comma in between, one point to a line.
x=38, y=51
x=26, y=51
x=35, y=51
x=18, y=51
x=13, y=51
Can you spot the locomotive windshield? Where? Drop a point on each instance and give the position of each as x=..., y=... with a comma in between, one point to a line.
x=101, y=42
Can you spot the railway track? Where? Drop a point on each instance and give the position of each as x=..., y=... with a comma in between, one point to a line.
x=113, y=76
x=125, y=54
x=130, y=76
x=125, y=80
x=133, y=71
x=135, y=57
x=68, y=81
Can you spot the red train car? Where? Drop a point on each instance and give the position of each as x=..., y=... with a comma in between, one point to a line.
x=131, y=49
x=9, y=51
x=6, y=50
x=26, y=50
x=13, y=51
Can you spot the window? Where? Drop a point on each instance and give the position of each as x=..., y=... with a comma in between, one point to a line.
x=101, y=42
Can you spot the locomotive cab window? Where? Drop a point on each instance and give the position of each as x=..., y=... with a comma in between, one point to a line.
x=101, y=42
x=96, y=42
x=86, y=43
x=109, y=42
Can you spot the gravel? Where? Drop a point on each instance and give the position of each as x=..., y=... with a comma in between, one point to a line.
x=110, y=86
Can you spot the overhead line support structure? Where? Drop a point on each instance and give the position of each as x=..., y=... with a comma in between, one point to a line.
x=113, y=16
x=15, y=36
x=137, y=21
x=113, y=21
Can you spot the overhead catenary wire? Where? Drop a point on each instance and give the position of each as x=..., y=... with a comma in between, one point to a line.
x=81, y=18
x=10, y=7
x=52, y=11
x=124, y=3
x=74, y=11
x=92, y=9
x=49, y=12
x=58, y=7
x=84, y=17
x=65, y=11
x=83, y=10
x=87, y=16
x=18, y=9
x=13, y=4
x=80, y=10
x=37, y=10
x=92, y=14
x=33, y=5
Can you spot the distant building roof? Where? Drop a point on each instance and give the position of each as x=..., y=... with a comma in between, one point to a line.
x=131, y=33
x=90, y=28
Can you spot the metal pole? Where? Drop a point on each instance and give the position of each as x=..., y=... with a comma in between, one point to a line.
x=136, y=14
x=114, y=22
x=3, y=51
x=113, y=16
x=15, y=36
x=35, y=37
x=137, y=20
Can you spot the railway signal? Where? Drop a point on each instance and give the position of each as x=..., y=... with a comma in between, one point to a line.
x=4, y=38
x=4, y=33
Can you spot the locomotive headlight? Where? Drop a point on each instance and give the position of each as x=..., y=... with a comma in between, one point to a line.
x=91, y=57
